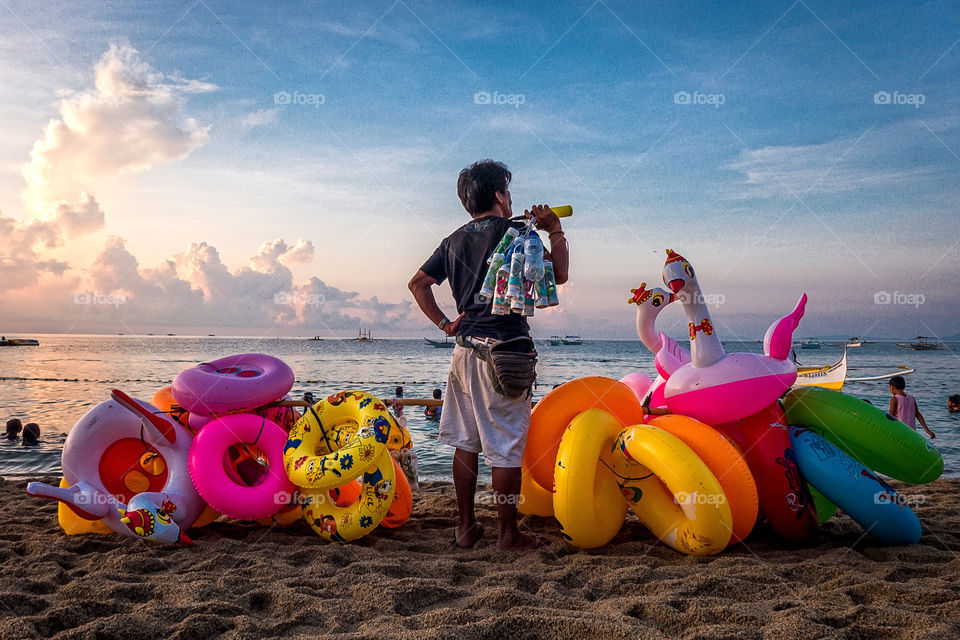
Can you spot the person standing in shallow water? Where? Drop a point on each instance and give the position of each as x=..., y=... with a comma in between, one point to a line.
x=475, y=417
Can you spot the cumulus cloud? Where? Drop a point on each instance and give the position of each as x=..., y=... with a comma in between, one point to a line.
x=21, y=244
x=131, y=120
x=195, y=288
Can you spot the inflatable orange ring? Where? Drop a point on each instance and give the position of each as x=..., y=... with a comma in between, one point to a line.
x=558, y=408
x=722, y=458
x=164, y=400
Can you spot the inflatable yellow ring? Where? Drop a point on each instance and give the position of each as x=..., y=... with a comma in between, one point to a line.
x=672, y=492
x=534, y=499
x=725, y=462
x=343, y=524
x=587, y=501
x=316, y=457
x=344, y=427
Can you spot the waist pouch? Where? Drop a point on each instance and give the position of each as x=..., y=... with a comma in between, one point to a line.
x=511, y=364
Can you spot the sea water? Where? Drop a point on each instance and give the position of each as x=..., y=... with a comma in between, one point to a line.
x=56, y=383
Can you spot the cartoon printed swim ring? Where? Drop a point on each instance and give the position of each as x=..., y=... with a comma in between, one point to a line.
x=97, y=491
x=399, y=511
x=318, y=454
x=337, y=523
x=236, y=383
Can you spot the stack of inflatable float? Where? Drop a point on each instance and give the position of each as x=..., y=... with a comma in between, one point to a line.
x=700, y=477
x=216, y=442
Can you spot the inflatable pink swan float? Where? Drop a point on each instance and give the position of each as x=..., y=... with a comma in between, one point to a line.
x=158, y=516
x=650, y=302
x=710, y=384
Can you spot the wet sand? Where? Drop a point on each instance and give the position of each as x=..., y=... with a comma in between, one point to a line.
x=247, y=581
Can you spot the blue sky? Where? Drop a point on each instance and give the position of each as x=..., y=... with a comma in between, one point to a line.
x=787, y=177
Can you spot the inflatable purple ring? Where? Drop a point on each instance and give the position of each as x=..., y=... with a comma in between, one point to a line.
x=235, y=383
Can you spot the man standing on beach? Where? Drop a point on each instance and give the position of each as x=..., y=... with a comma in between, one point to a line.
x=475, y=417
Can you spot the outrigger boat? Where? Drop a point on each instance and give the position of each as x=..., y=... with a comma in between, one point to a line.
x=19, y=342
x=829, y=377
x=446, y=344
x=555, y=341
x=835, y=375
x=922, y=343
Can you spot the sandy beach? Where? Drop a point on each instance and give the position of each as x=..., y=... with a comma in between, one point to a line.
x=242, y=581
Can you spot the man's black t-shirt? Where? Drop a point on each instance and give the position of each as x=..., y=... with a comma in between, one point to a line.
x=462, y=258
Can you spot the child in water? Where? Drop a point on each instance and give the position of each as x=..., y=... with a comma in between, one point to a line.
x=433, y=413
x=904, y=406
x=31, y=435
x=14, y=427
x=953, y=403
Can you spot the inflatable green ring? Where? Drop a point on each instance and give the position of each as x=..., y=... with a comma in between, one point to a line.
x=872, y=437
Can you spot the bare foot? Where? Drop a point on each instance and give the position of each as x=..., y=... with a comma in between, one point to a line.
x=468, y=538
x=519, y=542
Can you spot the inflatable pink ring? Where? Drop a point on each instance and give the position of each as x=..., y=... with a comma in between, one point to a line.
x=230, y=498
x=235, y=383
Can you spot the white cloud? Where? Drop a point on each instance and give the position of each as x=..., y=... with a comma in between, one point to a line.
x=847, y=164
x=195, y=288
x=130, y=121
x=259, y=118
x=21, y=244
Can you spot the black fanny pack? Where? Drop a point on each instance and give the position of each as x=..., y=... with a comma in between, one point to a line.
x=511, y=364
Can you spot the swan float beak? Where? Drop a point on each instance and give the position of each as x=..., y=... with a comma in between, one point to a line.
x=676, y=285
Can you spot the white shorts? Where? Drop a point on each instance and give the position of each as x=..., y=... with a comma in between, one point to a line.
x=476, y=418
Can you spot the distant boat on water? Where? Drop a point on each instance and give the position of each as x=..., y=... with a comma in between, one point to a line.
x=364, y=336
x=829, y=377
x=810, y=343
x=18, y=342
x=922, y=343
x=446, y=344
x=555, y=341
x=572, y=340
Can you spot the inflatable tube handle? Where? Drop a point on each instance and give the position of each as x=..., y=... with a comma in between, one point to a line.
x=166, y=428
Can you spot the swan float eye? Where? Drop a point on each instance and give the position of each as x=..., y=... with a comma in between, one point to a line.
x=657, y=299
x=688, y=269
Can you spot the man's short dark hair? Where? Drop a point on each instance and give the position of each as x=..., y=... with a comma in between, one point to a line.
x=955, y=398
x=898, y=383
x=479, y=184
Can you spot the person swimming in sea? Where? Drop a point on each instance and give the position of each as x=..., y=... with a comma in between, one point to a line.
x=953, y=403
x=31, y=435
x=433, y=413
x=14, y=427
